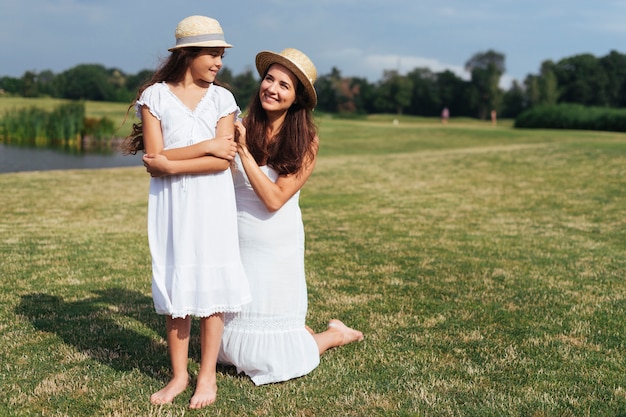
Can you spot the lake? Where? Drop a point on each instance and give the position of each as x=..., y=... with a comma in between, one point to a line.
x=18, y=159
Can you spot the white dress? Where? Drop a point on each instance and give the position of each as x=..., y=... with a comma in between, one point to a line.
x=192, y=223
x=267, y=340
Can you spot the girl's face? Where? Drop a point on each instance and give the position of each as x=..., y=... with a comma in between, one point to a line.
x=207, y=64
x=278, y=89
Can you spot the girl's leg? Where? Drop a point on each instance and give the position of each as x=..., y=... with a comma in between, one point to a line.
x=337, y=334
x=211, y=329
x=178, y=344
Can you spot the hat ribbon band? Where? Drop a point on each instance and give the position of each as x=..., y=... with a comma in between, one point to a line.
x=200, y=38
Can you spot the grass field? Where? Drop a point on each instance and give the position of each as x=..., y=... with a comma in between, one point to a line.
x=485, y=266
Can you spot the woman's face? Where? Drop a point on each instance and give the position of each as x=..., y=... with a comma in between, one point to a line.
x=207, y=64
x=278, y=89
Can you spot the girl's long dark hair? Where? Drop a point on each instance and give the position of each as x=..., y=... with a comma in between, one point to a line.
x=293, y=146
x=171, y=70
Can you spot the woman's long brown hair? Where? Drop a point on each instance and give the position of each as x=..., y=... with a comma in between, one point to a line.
x=293, y=146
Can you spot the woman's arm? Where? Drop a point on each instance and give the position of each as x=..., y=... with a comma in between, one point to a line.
x=208, y=156
x=273, y=194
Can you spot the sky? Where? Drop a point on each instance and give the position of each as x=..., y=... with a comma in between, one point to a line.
x=361, y=38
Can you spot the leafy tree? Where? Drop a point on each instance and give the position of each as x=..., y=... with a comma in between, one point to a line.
x=136, y=81
x=326, y=88
x=513, y=101
x=225, y=78
x=116, y=77
x=582, y=80
x=245, y=85
x=394, y=93
x=548, y=84
x=486, y=68
x=425, y=100
x=29, y=85
x=47, y=83
x=364, y=95
x=87, y=82
x=453, y=93
x=533, y=92
x=346, y=95
x=614, y=65
x=12, y=85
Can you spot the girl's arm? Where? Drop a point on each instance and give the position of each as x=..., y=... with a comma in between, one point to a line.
x=159, y=166
x=273, y=194
x=221, y=146
x=208, y=156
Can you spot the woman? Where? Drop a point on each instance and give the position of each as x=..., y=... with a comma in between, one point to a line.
x=277, y=151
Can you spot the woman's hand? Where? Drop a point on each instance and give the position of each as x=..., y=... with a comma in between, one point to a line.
x=156, y=165
x=240, y=135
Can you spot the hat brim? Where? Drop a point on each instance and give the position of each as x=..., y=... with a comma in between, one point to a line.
x=265, y=59
x=206, y=44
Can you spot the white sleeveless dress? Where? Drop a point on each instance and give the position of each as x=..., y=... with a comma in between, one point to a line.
x=267, y=340
x=192, y=223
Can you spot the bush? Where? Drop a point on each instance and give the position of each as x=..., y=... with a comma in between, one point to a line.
x=573, y=116
x=99, y=129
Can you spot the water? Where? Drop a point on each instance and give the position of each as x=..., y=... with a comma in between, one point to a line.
x=18, y=159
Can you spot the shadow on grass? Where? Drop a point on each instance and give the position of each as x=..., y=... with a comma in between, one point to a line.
x=116, y=328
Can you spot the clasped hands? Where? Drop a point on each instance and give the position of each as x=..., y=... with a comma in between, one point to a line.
x=225, y=147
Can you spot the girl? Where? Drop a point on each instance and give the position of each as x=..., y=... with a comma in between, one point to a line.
x=192, y=224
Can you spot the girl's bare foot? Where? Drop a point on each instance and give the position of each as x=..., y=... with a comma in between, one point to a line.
x=348, y=334
x=206, y=392
x=170, y=391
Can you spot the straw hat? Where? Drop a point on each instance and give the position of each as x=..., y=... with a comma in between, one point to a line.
x=296, y=62
x=199, y=31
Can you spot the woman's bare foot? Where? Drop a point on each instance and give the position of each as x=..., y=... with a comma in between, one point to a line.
x=170, y=391
x=348, y=334
x=206, y=392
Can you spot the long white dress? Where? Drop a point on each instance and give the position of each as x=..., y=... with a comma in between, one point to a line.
x=267, y=340
x=192, y=223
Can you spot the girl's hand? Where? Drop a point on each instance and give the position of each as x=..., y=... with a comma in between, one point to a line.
x=223, y=147
x=156, y=164
x=240, y=134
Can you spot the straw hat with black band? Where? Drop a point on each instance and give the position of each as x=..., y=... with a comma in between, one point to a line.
x=199, y=31
x=296, y=62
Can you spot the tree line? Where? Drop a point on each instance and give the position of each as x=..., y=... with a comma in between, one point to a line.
x=581, y=79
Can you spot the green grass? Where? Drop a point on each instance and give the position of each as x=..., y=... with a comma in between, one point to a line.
x=485, y=266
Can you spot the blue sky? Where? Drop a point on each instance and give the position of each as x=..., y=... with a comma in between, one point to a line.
x=361, y=38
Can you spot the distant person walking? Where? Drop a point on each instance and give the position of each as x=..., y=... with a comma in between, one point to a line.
x=445, y=115
x=494, y=117
x=192, y=217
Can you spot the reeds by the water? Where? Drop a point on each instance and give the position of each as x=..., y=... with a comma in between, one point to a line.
x=64, y=127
